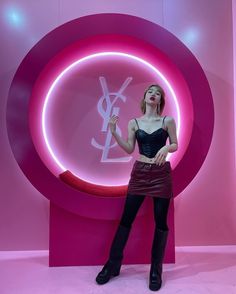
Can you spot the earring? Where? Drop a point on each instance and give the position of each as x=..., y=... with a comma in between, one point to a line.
x=159, y=108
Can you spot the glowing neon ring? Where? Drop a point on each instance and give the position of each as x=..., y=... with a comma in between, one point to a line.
x=61, y=75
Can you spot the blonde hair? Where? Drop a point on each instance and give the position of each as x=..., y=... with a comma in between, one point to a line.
x=162, y=103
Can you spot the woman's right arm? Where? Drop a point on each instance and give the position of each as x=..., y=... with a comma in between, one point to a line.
x=128, y=145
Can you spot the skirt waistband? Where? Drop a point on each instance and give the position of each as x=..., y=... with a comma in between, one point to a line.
x=147, y=163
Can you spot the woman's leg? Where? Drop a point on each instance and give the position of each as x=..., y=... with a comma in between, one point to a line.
x=131, y=207
x=161, y=206
x=112, y=266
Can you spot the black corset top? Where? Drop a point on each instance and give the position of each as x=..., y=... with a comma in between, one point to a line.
x=150, y=144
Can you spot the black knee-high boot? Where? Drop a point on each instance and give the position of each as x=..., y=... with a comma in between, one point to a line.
x=157, y=256
x=112, y=266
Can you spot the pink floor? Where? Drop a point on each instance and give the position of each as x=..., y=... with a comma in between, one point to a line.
x=210, y=269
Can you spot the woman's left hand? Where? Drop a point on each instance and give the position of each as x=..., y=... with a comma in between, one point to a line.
x=160, y=157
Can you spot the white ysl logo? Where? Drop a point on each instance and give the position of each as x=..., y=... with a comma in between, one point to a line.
x=106, y=116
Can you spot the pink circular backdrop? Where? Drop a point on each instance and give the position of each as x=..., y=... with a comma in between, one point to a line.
x=120, y=33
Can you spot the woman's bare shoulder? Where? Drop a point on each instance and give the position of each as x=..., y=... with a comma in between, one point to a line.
x=132, y=123
x=132, y=120
x=169, y=118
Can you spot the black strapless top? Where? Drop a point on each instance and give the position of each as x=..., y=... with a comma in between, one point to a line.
x=150, y=144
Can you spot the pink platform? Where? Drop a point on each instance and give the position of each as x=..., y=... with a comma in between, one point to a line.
x=76, y=240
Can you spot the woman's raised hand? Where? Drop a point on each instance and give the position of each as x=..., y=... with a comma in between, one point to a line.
x=112, y=123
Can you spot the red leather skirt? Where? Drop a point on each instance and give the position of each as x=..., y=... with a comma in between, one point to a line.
x=151, y=179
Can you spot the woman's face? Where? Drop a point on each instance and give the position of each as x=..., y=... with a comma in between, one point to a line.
x=153, y=96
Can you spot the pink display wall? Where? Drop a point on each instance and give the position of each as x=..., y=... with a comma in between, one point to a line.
x=205, y=210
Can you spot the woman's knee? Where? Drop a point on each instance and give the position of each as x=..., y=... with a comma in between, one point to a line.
x=162, y=226
x=131, y=208
x=125, y=223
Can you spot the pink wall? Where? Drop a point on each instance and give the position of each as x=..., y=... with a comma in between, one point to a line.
x=205, y=210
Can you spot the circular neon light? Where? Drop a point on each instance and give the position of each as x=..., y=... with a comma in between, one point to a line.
x=63, y=73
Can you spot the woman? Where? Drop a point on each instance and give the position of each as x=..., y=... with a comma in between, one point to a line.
x=150, y=176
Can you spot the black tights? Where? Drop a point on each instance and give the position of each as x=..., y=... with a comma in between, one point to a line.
x=133, y=203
